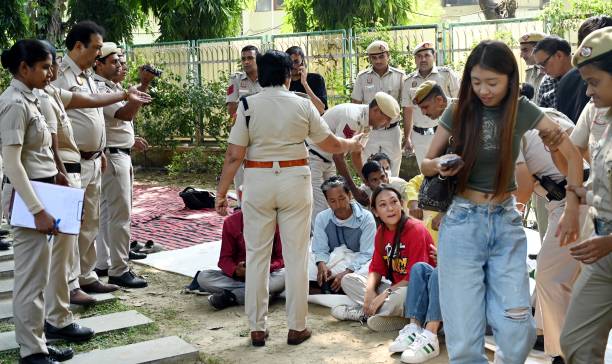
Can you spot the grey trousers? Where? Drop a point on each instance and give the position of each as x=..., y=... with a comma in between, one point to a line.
x=215, y=281
x=589, y=317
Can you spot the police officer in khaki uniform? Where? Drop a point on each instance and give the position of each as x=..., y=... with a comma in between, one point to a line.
x=380, y=76
x=589, y=317
x=117, y=180
x=533, y=74
x=26, y=149
x=84, y=42
x=420, y=129
x=270, y=131
x=345, y=121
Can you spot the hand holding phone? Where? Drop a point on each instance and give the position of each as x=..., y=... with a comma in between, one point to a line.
x=450, y=164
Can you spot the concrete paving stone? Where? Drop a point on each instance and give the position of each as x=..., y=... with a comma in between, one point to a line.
x=6, y=288
x=6, y=305
x=6, y=269
x=165, y=350
x=6, y=255
x=100, y=324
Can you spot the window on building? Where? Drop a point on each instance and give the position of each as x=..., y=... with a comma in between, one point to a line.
x=263, y=5
x=279, y=4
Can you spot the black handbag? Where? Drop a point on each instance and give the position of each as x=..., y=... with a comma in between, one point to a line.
x=197, y=199
x=436, y=192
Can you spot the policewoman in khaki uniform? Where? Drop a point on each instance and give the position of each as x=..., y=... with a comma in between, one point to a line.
x=270, y=131
x=533, y=74
x=84, y=42
x=589, y=317
x=421, y=128
x=116, y=199
x=26, y=149
x=380, y=76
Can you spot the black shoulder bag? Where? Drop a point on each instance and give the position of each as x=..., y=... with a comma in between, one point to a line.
x=436, y=192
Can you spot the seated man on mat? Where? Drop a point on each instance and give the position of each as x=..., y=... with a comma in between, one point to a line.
x=227, y=285
x=343, y=240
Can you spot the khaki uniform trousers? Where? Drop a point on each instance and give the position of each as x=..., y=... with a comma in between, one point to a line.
x=589, y=317
x=421, y=145
x=113, y=243
x=388, y=141
x=64, y=252
x=354, y=285
x=2, y=214
x=320, y=171
x=90, y=181
x=32, y=254
x=274, y=196
x=556, y=273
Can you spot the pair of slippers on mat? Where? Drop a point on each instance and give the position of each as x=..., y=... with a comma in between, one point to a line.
x=146, y=248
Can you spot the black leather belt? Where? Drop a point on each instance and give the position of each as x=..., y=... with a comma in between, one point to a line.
x=90, y=155
x=73, y=167
x=50, y=180
x=425, y=131
x=391, y=126
x=113, y=150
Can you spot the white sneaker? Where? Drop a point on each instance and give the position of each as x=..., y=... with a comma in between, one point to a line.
x=347, y=313
x=387, y=323
x=405, y=338
x=423, y=348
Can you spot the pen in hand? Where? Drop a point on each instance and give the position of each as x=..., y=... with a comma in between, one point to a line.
x=55, y=225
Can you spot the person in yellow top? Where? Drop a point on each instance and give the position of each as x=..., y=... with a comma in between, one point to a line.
x=269, y=136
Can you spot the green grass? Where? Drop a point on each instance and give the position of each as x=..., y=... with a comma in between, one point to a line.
x=6, y=326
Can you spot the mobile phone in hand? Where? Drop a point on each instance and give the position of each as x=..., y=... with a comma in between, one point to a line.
x=450, y=161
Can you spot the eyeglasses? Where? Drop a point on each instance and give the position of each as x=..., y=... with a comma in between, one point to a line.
x=543, y=64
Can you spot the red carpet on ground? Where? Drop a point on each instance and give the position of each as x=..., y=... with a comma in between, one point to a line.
x=158, y=214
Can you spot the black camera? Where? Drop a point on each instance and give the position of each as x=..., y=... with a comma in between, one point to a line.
x=156, y=71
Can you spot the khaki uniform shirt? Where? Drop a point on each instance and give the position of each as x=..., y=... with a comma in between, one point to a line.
x=600, y=195
x=444, y=77
x=368, y=83
x=87, y=124
x=280, y=122
x=22, y=123
x=344, y=121
x=53, y=104
x=119, y=133
x=590, y=126
x=241, y=85
x=533, y=76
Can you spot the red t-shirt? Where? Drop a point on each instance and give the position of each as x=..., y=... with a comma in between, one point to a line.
x=415, y=246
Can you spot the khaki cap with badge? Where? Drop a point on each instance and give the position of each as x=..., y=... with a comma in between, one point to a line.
x=377, y=47
x=532, y=37
x=109, y=48
x=423, y=91
x=595, y=46
x=387, y=104
x=425, y=46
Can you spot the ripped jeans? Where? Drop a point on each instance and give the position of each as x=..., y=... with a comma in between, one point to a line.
x=482, y=252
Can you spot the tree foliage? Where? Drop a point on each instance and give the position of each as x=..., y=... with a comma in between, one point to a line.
x=118, y=17
x=13, y=21
x=563, y=16
x=196, y=19
x=308, y=15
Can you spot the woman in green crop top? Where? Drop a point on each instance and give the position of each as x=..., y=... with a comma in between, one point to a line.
x=482, y=245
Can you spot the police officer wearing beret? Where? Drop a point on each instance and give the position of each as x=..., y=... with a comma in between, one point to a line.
x=533, y=74
x=380, y=76
x=420, y=129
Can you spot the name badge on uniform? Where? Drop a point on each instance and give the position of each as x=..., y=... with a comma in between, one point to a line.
x=369, y=79
x=414, y=84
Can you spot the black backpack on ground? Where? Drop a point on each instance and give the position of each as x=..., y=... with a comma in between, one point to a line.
x=197, y=199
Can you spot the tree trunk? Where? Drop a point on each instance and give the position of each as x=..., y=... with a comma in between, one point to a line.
x=489, y=8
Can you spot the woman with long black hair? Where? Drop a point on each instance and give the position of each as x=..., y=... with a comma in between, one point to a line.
x=482, y=245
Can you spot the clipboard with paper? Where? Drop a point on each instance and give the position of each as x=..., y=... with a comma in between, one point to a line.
x=61, y=202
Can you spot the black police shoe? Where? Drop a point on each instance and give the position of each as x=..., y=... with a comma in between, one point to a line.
x=4, y=245
x=128, y=279
x=222, y=300
x=136, y=255
x=37, y=359
x=539, y=343
x=101, y=272
x=60, y=354
x=71, y=333
x=558, y=360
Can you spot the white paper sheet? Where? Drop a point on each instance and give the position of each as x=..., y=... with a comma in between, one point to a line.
x=61, y=202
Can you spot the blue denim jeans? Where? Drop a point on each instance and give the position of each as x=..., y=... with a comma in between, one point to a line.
x=423, y=297
x=483, y=278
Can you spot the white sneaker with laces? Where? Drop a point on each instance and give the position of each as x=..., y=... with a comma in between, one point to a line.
x=347, y=313
x=405, y=338
x=387, y=323
x=424, y=347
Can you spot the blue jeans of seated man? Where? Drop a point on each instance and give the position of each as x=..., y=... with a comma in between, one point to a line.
x=423, y=300
x=482, y=252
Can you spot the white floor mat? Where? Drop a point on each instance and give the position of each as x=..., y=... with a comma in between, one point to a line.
x=185, y=261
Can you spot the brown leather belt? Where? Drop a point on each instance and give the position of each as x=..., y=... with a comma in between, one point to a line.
x=90, y=155
x=282, y=164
